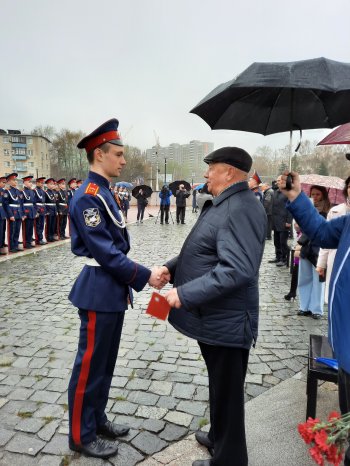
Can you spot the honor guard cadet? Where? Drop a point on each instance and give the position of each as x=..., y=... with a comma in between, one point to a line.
x=12, y=202
x=29, y=212
x=79, y=183
x=62, y=208
x=39, y=203
x=72, y=186
x=51, y=210
x=3, y=245
x=101, y=292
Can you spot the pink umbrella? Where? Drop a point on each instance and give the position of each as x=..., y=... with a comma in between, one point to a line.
x=340, y=135
x=334, y=185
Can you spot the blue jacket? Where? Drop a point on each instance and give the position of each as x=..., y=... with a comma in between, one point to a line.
x=333, y=234
x=165, y=197
x=28, y=203
x=104, y=288
x=39, y=200
x=2, y=208
x=12, y=200
x=216, y=273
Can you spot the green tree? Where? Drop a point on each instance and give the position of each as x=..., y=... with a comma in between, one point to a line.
x=323, y=169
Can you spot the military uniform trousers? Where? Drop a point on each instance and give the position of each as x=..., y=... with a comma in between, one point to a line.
x=27, y=231
x=62, y=224
x=14, y=228
x=92, y=373
x=39, y=227
x=2, y=232
x=51, y=223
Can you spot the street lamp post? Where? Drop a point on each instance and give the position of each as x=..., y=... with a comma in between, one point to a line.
x=164, y=170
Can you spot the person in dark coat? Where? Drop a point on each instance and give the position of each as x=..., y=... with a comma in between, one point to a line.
x=267, y=203
x=181, y=196
x=142, y=202
x=215, y=298
x=281, y=223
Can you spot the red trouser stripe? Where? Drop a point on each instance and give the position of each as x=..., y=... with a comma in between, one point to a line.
x=83, y=377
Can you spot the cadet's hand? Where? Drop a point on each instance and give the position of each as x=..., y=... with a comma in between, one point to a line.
x=296, y=189
x=158, y=278
x=173, y=298
x=12, y=219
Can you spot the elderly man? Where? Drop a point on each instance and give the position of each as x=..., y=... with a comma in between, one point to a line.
x=216, y=296
x=332, y=234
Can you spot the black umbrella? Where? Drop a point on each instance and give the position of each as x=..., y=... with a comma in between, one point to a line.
x=147, y=190
x=174, y=186
x=270, y=98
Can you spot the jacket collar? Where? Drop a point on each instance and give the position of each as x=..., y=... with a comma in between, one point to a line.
x=235, y=188
x=98, y=179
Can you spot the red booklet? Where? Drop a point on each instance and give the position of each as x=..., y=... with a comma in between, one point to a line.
x=158, y=306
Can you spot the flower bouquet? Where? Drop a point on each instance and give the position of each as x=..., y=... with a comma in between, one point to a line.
x=328, y=440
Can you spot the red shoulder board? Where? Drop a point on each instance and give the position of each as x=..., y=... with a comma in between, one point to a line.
x=92, y=189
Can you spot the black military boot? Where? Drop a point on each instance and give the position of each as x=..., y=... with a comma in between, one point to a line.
x=98, y=448
x=112, y=430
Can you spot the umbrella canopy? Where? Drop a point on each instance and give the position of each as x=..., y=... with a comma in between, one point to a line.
x=333, y=184
x=125, y=184
x=174, y=186
x=340, y=135
x=199, y=186
x=270, y=98
x=147, y=190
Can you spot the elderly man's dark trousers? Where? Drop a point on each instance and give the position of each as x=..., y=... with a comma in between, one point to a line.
x=180, y=214
x=227, y=369
x=344, y=402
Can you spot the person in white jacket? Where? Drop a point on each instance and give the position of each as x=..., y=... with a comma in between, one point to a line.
x=326, y=256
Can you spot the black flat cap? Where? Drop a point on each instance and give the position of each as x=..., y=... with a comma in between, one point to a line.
x=234, y=156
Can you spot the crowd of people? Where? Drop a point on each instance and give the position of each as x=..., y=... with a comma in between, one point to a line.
x=39, y=212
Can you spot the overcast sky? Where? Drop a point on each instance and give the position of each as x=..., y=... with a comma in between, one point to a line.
x=76, y=63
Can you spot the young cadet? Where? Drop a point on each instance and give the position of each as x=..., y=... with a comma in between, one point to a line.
x=12, y=202
x=29, y=212
x=3, y=247
x=62, y=208
x=39, y=203
x=51, y=209
x=101, y=292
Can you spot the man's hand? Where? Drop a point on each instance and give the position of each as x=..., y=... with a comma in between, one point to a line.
x=160, y=276
x=173, y=298
x=12, y=219
x=321, y=271
x=296, y=189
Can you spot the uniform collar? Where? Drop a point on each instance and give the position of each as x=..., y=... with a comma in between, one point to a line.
x=235, y=188
x=98, y=179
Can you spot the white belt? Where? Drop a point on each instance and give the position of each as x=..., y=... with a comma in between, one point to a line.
x=39, y=203
x=27, y=204
x=48, y=203
x=91, y=262
x=15, y=205
x=61, y=203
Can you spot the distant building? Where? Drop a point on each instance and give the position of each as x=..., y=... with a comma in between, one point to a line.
x=25, y=154
x=187, y=157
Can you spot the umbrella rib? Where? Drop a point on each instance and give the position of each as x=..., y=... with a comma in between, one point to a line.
x=270, y=114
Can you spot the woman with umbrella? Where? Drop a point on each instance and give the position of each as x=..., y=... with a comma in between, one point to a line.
x=141, y=193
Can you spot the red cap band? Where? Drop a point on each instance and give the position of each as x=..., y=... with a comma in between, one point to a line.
x=102, y=138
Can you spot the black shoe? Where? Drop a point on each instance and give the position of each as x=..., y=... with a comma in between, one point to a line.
x=281, y=264
x=316, y=316
x=201, y=463
x=29, y=246
x=273, y=261
x=98, y=448
x=112, y=430
x=203, y=439
x=166, y=223
x=290, y=296
x=304, y=313
x=14, y=250
x=42, y=242
x=183, y=223
x=161, y=223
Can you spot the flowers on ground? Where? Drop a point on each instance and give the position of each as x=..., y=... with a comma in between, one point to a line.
x=328, y=440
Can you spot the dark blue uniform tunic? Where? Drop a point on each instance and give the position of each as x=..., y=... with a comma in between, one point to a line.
x=101, y=293
x=30, y=214
x=12, y=202
x=2, y=221
x=39, y=200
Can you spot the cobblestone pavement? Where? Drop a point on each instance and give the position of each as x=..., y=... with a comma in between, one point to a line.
x=160, y=384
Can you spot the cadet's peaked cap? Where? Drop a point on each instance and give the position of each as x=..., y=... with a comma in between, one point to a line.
x=41, y=178
x=11, y=176
x=50, y=180
x=72, y=180
x=256, y=177
x=2, y=178
x=104, y=133
x=61, y=180
x=234, y=156
x=28, y=178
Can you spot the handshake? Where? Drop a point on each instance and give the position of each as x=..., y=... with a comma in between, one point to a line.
x=160, y=276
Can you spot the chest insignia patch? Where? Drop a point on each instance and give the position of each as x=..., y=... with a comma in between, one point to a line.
x=92, y=217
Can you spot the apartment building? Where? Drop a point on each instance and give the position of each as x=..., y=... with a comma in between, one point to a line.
x=25, y=154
